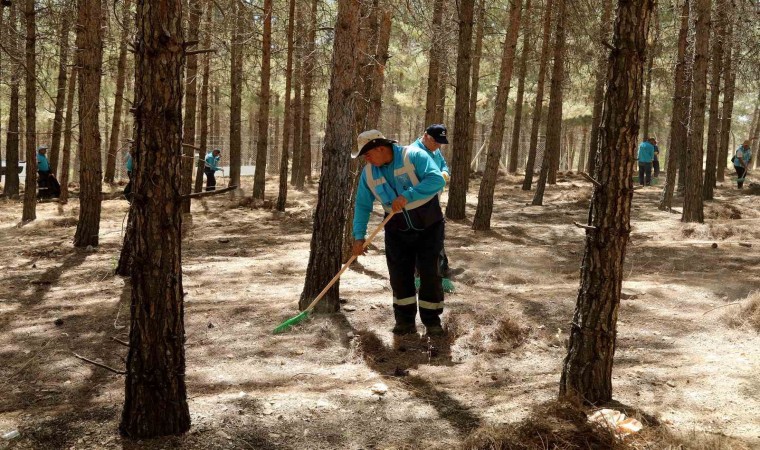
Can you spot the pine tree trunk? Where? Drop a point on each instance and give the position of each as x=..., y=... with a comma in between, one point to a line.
x=514, y=149
x=582, y=150
x=155, y=399
x=651, y=53
x=601, y=72
x=329, y=218
x=90, y=48
x=286, y=125
x=263, y=131
x=121, y=74
x=60, y=96
x=587, y=370
x=553, y=132
x=11, y=188
x=713, y=130
x=203, y=122
x=236, y=101
x=460, y=164
x=482, y=219
x=433, y=97
x=475, y=84
x=30, y=186
x=729, y=83
x=308, y=77
x=296, y=104
x=537, y=109
x=679, y=117
x=195, y=10
x=66, y=151
x=385, y=16
x=693, y=205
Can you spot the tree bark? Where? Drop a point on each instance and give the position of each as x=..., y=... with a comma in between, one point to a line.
x=476, y=56
x=713, y=130
x=67, y=130
x=236, y=88
x=329, y=218
x=121, y=74
x=155, y=400
x=537, y=109
x=460, y=164
x=308, y=77
x=554, y=118
x=514, y=149
x=286, y=125
x=205, y=80
x=263, y=131
x=651, y=53
x=30, y=186
x=482, y=219
x=582, y=150
x=693, y=205
x=605, y=25
x=679, y=118
x=587, y=370
x=90, y=48
x=729, y=83
x=433, y=97
x=296, y=104
x=60, y=97
x=195, y=10
x=11, y=188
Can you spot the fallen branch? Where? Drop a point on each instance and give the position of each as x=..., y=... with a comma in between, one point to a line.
x=125, y=344
x=208, y=193
x=585, y=227
x=591, y=179
x=191, y=146
x=196, y=52
x=102, y=366
x=721, y=306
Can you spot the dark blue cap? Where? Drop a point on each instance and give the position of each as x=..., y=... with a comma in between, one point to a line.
x=437, y=131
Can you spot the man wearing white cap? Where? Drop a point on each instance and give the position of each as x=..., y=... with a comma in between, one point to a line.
x=404, y=180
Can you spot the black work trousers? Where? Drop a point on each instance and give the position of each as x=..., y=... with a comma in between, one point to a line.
x=403, y=251
x=645, y=173
x=741, y=172
x=210, y=179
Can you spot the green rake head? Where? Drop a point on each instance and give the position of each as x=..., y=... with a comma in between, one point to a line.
x=292, y=321
x=447, y=284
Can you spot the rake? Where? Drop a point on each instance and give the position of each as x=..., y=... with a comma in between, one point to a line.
x=306, y=312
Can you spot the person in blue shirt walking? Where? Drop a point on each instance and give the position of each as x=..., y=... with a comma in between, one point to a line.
x=656, y=160
x=211, y=166
x=130, y=170
x=741, y=159
x=407, y=181
x=43, y=172
x=646, y=156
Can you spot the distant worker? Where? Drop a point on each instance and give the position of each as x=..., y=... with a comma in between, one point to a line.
x=405, y=180
x=646, y=156
x=212, y=165
x=130, y=171
x=434, y=137
x=656, y=161
x=43, y=172
x=741, y=160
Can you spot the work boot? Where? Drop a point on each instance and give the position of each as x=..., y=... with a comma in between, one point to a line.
x=404, y=328
x=434, y=330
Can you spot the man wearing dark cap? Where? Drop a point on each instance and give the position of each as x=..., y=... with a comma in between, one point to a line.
x=405, y=180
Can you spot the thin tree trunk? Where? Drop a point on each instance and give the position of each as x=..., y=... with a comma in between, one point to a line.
x=296, y=104
x=195, y=10
x=263, y=131
x=537, y=109
x=121, y=74
x=60, y=97
x=90, y=48
x=553, y=136
x=155, y=398
x=385, y=16
x=286, y=125
x=329, y=217
x=482, y=219
x=582, y=150
x=30, y=186
x=460, y=164
x=651, y=53
x=433, y=97
x=11, y=189
x=236, y=101
x=729, y=83
x=476, y=56
x=587, y=369
x=203, y=122
x=514, y=149
x=605, y=25
x=67, y=130
x=679, y=117
x=308, y=77
x=693, y=205
x=713, y=130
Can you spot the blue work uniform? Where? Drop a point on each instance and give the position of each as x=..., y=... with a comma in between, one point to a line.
x=646, y=156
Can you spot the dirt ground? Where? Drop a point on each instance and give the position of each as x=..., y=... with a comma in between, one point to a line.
x=315, y=387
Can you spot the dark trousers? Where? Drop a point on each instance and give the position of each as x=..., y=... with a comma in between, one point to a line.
x=645, y=173
x=656, y=166
x=403, y=251
x=128, y=188
x=741, y=172
x=210, y=179
x=42, y=184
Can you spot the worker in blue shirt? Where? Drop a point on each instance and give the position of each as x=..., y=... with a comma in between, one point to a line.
x=741, y=159
x=210, y=168
x=656, y=160
x=130, y=170
x=646, y=156
x=431, y=141
x=407, y=181
x=43, y=172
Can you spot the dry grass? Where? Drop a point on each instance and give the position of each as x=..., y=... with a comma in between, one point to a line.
x=746, y=314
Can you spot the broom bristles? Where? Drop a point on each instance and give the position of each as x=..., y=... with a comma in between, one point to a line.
x=292, y=321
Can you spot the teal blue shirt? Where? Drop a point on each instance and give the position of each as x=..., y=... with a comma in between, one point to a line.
x=130, y=163
x=646, y=152
x=436, y=155
x=742, y=153
x=42, y=163
x=212, y=161
x=430, y=183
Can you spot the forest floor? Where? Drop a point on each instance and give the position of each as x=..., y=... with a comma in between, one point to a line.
x=678, y=359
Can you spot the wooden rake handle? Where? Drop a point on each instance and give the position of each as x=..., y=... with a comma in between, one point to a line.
x=348, y=263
